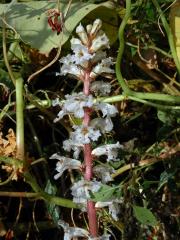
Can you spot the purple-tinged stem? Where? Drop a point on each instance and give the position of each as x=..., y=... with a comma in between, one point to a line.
x=88, y=160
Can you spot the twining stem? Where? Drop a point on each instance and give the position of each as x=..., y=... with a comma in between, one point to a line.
x=88, y=160
x=169, y=34
x=127, y=91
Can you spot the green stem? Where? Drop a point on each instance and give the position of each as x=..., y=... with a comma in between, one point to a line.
x=32, y=182
x=20, y=194
x=119, y=98
x=121, y=49
x=126, y=89
x=19, y=118
x=151, y=47
x=169, y=34
x=47, y=197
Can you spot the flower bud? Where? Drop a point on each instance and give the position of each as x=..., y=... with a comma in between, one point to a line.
x=95, y=28
x=89, y=28
x=82, y=34
x=99, y=42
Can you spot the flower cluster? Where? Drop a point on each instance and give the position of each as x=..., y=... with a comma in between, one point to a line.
x=88, y=61
x=74, y=104
x=88, y=53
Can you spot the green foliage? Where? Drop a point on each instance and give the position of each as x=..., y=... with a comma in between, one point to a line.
x=164, y=178
x=169, y=117
x=53, y=209
x=145, y=216
x=33, y=27
x=104, y=194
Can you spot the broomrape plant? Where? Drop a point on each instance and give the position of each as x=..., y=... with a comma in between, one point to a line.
x=87, y=62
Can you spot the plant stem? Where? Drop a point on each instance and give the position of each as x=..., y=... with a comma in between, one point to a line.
x=19, y=119
x=47, y=197
x=93, y=228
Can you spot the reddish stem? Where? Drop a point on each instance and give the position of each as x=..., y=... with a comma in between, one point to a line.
x=93, y=227
x=88, y=160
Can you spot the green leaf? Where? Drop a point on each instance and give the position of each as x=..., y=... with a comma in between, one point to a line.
x=52, y=209
x=133, y=51
x=169, y=117
x=145, y=216
x=104, y=194
x=164, y=178
x=31, y=22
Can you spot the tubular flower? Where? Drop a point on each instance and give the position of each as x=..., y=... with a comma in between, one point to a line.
x=72, y=232
x=80, y=191
x=103, y=124
x=84, y=135
x=104, y=173
x=113, y=205
x=74, y=104
x=100, y=88
x=111, y=150
x=64, y=163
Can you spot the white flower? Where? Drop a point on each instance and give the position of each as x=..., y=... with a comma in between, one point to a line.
x=64, y=163
x=75, y=41
x=69, y=145
x=74, y=104
x=111, y=150
x=72, y=69
x=104, y=172
x=69, y=66
x=83, y=134
x=113, y=205
x=100, y=87
x=72, y=232
x=81, y=55
x=103, y=67
x=80, y=190
x=98, y=56
x=85, y=187
x=104, y=124
x=97, y=24
x=67, y=60
x=107, y=109
x=99, y=42
x=89, y=28
x=82, y=34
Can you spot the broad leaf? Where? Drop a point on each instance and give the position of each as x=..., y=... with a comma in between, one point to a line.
x=31, y=22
